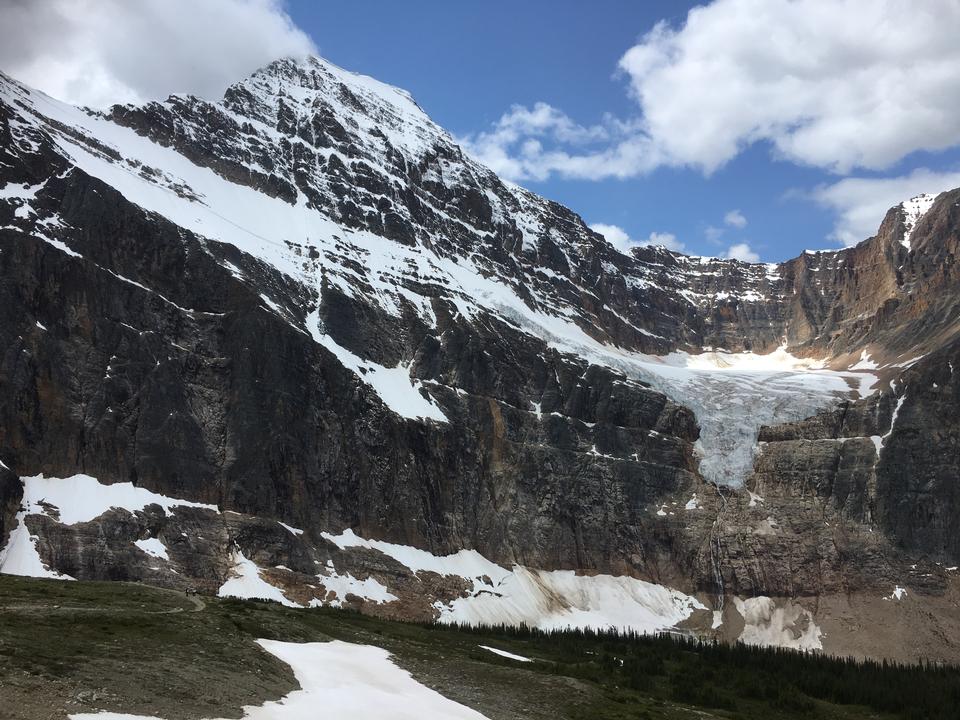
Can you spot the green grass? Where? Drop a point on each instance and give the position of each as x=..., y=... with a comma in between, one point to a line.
x=82, y=647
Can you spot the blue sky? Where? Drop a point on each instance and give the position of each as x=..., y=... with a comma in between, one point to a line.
x=748, y=128
x=467, y=64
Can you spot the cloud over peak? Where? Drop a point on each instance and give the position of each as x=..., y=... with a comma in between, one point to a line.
x=742, y=251
x=860, y=203
x=100, y=52
x=621, y=240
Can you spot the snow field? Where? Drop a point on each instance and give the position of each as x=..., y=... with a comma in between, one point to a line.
x=341, y=681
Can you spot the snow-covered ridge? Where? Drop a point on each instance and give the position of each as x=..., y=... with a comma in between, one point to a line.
x=304, y=239
x=914, y=209
x=376, y=107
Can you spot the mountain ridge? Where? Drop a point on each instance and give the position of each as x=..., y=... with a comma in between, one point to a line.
x=302, y=321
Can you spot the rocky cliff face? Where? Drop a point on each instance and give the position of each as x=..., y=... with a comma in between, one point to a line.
x=304, y=304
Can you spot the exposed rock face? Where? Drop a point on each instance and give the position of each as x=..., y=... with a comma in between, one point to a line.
x=10, y=494
x=888, y=461
x=304, y=303
x=196, y=389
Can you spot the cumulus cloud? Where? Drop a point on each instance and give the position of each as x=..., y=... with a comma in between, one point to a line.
x=535, y=143
x=99, y=52
x=861, y=203
x=667, y=240
x=742, y=251
x=713, y=234
x=620, y=239
x=835, y=85
x=733, y=218
x=832, y=84
x=736, y=219
x=614, y=234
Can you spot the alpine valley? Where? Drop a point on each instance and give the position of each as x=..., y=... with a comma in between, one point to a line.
x=296, y=345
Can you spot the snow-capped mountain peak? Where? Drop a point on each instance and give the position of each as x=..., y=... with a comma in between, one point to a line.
x=294, y=95
x=914, y=209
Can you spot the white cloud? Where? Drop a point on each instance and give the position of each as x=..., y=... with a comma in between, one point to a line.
x=98, y=52
x=535, y=143
x=861, y=203
x=736, y=219
x=668, y=240
x=621, y=240
x=835, y=85
x=832, y=84
x=733, y=218
x=742, y=251
x=615, y=235
x=713, y=233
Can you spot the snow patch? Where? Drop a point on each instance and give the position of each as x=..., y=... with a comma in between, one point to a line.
x=342, y=585
x=81, y=498
x=341, y=681
x=754, y=499
x=396, y=388
x=539, y=598
x=291, y=530
x=62, y=247
x=562, y=599
x=504, y=653
x=898, y=593
x=21, y=557
x=153, y=547
x=880, y=440
x=914, y=209
x=865, y=362
x=465, y=563
x=247, y=583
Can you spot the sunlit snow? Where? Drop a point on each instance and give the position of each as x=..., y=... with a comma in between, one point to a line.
x=914, y=209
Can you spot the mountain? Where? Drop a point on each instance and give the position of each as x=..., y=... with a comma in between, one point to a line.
x=296, y=344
